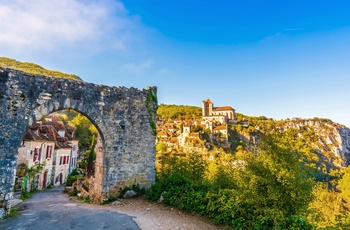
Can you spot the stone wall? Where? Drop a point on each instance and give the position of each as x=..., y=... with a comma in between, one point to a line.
x=123, y=116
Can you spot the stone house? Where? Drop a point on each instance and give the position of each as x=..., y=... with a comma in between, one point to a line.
x=37, y=149
x=52, y=146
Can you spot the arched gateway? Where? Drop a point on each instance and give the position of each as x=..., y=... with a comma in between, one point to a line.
x=125, y=118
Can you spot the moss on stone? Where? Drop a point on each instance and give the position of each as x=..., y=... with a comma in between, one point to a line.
x=152, y=97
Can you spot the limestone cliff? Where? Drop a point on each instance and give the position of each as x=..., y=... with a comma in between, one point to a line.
x=329, y=140
x=333, y=140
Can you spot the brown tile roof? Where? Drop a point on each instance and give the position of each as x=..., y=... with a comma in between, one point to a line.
x=48, y=131
x=194, y=134
x=173, y=140
x=223, y=108
x=221, y=127
x=208, y=100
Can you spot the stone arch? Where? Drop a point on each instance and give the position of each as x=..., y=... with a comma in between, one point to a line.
x=125, y=118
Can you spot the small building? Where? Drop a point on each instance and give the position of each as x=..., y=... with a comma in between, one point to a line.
x=50, y=147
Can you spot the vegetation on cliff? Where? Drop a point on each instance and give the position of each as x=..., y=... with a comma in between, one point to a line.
x=34, y=69
x=181, y=112
x=286, y=174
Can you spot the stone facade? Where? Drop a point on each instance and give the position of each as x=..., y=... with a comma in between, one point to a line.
x=223, y=114
x=125, y=118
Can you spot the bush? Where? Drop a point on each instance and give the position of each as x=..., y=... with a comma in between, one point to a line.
x=269, y=190
x=135, y=187
x=71, y=179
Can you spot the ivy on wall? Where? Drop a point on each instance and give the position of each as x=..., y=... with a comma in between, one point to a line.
x=152, y=97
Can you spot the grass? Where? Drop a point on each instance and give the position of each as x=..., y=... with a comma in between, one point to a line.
x=14, y=211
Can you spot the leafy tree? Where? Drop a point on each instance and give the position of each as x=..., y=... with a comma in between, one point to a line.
x=84, y=130
x=325, y=207
x=161, y=147
x=30, y=174
x=183, y=112
x=275, y=181
x=91, y=157
x=344, y=184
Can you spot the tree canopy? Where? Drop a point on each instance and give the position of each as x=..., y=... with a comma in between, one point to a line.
x=179, y=112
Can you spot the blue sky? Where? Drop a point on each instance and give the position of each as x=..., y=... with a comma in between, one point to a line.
x=275, y=58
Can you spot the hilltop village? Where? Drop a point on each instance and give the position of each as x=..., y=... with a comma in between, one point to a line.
x=212, y=127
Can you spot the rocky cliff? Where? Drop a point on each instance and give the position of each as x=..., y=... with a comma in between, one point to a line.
x=333, y=140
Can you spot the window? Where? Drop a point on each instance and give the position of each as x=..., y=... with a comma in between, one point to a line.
x=37, y=154
x=48, y=151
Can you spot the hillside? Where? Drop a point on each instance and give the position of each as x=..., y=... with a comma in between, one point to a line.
x=34, y=69
x=255, y=172
x=329, y=141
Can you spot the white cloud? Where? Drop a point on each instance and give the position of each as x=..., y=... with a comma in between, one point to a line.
x=41, y=25
x=138, y=67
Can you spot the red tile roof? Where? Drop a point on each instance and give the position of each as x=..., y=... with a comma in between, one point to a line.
x=223, y=108
x=221, y=127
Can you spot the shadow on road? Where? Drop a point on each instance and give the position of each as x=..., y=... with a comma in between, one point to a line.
x=53, y=209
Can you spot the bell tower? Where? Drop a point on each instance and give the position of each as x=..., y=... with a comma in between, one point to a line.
x=207, y=108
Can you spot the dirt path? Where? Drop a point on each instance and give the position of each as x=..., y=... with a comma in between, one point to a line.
x=150, y=215
x=53, y=209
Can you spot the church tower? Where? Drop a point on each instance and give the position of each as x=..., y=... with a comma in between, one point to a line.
x=207, y=108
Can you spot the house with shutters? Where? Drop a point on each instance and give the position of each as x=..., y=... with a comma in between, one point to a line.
x=50, y=146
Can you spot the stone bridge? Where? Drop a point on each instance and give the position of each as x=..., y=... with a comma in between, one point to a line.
x=124, y=117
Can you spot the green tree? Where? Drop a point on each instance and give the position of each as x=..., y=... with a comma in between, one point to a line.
x=275, y=183
x=161, y=147
x=30, y=174
x=325, y=207
x=84, y=130
x=91, y=157
x=344, y=184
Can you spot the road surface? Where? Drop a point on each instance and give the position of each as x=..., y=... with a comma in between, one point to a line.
x=52, y=209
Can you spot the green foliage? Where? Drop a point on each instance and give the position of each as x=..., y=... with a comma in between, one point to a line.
x=325, y=207
x=183, y=112
x=196, y=128
x=84, y=199
x=25, y=195
x=161, y=147
x=74, y=172
x=85, y=131
x=344, y=184
x=135, y=187
x=14, y=211
x=152, y=97
x=73, y=192
x=71, y=179
x=268, y=190
x=91, y=156
x=266, y=180
x=34, y=69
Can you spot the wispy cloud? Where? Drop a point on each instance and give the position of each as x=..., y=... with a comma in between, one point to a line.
x=138, y=67
x=164, y=71
x=56, y=24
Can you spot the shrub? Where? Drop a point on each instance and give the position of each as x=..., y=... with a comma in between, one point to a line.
x=71, y=179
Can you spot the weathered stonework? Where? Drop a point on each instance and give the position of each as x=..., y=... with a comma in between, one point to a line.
x=122, y=116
